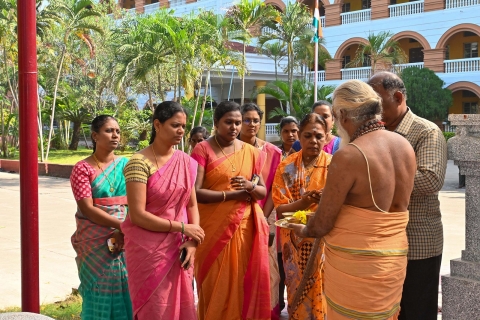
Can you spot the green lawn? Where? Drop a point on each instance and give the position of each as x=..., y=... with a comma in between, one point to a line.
x=72, y=157
x=70, y=308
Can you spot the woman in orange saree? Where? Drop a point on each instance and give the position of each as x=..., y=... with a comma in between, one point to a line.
x=231, y=270
x=298, y=185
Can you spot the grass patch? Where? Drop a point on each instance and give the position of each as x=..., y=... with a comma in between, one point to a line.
x=71, y=157
x=70, y=308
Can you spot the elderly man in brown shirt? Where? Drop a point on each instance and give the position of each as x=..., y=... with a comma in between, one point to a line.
x=424, y=229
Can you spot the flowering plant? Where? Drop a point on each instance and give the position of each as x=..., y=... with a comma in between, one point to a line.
x=301, y=215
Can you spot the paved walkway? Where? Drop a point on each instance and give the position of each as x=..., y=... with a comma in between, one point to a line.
x=58, y=272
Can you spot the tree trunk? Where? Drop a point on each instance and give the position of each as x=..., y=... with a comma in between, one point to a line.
x=204, y=97
x=177, y=83
x=85, y=139
x=276, y=73
x=160, y=90
x=197, y=99
x=10, y=86
x=4, y=138
x=150, y=102
x=40, y=125
x=75, y=135
x=290, y=74
x=242, y=99
x=143, y=135
x=52, y=116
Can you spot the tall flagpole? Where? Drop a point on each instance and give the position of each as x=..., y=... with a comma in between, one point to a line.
x=316, y=24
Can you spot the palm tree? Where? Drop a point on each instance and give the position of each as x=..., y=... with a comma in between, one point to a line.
x=141, y=123
x=382, y=51
x=247, y=17
x=275, y=51
x=304, y=50
x=211, y=50
x=302, y=99
x=142, y=46
x=76, y=24
x=293, y=23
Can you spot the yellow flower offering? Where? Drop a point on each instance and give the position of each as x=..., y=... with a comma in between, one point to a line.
x=301, y=215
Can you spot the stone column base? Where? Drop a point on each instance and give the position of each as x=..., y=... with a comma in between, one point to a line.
x=461, y=291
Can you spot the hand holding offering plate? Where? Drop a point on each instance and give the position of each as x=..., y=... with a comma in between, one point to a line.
x=295, y=221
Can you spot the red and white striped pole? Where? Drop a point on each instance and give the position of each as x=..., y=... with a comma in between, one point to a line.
x=27, y=74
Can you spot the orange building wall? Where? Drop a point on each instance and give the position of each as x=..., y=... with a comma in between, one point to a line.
x=128, y=4
x=458, y=101
x=406, y=45
x=355, y=5
x=456, y=44
x=350, y=51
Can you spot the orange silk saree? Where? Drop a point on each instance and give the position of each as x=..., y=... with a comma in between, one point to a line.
x=231, y=265
x=292, y=180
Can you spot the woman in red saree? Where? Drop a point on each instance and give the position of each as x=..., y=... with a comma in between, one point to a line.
x=231, y=268
x=252, y=118
x=163, y=212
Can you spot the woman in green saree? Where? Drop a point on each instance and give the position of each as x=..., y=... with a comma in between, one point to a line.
x=98, y=186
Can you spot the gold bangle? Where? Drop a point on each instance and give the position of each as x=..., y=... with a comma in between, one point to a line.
x=224, y=196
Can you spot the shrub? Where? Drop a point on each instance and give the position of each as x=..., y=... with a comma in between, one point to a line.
x=142, y=144
x=448, y=135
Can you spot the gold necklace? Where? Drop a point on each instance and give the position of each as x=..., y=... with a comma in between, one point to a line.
x=154, y=154
x=234, y=154
x=114, y=171
x=306, y=173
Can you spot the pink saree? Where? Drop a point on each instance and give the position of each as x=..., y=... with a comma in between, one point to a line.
x=159, y=287
x=274, y=157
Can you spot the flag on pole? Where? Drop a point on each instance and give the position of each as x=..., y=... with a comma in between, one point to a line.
x=316, y=25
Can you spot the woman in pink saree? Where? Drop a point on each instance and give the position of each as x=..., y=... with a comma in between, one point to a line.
x=163, y=220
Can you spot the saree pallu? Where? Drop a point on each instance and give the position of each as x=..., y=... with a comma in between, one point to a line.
x=103, y=275
x=160, y=288
x=274, y=156
x=231, y=268
x=365, y=264
x=291, y=181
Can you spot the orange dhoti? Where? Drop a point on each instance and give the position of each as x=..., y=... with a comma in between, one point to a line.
x=365, y=264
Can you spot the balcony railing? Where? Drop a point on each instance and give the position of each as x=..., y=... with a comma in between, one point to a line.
x=462, y=65
x=320, y=76
x=267, y=30
x=405, y=9
x=356, y=16
x=356, y=73
x=398, y=68
x=449, y=4
x=271, y=129
x=449, y=128
x=150, y=8
x=322, y=21
x=177, y=3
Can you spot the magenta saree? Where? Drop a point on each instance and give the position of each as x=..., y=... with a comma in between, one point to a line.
x=159, y=287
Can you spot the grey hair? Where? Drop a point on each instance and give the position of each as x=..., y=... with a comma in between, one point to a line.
x=358, y=100
x=391, y=83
